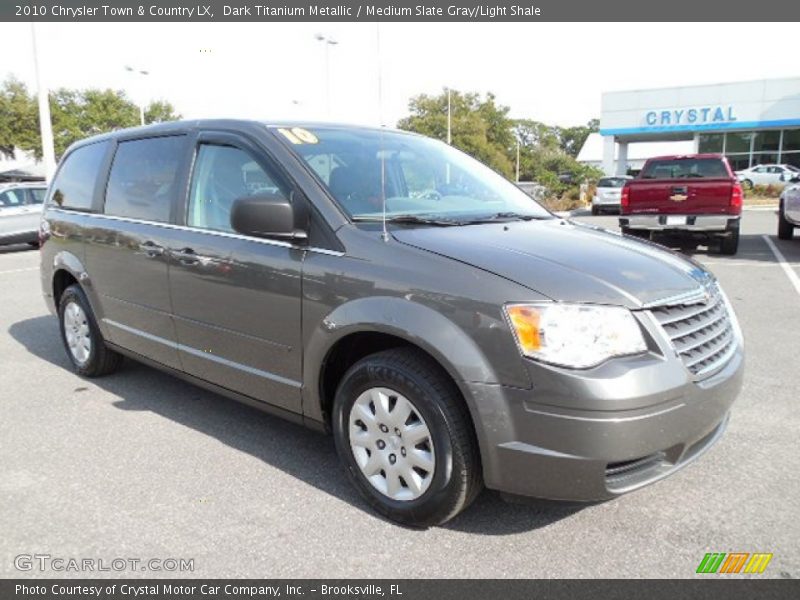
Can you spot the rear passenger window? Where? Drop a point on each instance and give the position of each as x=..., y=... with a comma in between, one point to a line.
x=73, y=187
x=144, y=178
x=36, y=195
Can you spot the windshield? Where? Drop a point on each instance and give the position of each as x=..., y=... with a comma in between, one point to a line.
x=611, y=182
x=418, y=176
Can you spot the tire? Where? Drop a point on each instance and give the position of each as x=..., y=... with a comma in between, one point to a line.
x=785, y=229
x=85, y=346
x=730, y=245
x=595, y=211
x=747, y=184
x=450, y=477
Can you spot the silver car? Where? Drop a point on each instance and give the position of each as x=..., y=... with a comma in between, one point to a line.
x=789, y=213
x=608, y=194
x=20, y=212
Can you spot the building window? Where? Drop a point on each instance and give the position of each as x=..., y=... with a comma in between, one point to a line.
x=710, y=143
x=767, y=141
x=791, y=140
x=738, y=161
x=738, y=142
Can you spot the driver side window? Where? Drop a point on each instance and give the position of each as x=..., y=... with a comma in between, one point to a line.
x=221, y=175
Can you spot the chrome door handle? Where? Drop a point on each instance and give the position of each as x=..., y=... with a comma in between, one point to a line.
x=185, y=255
x=151, y=249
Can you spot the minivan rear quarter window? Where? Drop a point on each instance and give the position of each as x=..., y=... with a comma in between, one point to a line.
x=144, y=177
x=74, y=184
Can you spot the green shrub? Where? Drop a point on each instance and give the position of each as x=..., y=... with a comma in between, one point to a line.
x=763, y=191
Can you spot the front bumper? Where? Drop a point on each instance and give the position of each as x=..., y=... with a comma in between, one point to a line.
x=545, y=443
x=689, y=223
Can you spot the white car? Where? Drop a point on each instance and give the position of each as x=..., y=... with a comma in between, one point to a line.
x=608, y=194
x=20, y=212
x=789, y=212
x=767, y=174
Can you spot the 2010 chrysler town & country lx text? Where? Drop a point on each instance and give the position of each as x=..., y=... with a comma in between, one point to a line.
x=449, y=331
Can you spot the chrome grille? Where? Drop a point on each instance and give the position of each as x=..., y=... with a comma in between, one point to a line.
x=701, y=332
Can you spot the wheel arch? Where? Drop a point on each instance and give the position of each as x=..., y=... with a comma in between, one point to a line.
x=362, y=327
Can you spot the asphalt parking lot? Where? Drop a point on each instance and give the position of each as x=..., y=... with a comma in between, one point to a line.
x=140, y=464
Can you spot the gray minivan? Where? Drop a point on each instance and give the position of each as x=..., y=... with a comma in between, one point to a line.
x=449, y=331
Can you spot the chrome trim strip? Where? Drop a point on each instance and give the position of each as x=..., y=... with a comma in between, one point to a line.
x=206, y=355
x=235, y=236
x=697, y=296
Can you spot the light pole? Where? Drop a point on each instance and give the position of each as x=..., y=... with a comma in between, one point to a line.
x=327, y=41
x=45, y=124
x=142, y=73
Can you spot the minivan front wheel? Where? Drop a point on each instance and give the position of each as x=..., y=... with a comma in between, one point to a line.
x=404, y=435
x=82, y=339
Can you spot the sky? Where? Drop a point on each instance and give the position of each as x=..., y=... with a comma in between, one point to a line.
x=550, y=72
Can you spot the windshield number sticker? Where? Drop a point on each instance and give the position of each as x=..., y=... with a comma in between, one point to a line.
x=298, y=135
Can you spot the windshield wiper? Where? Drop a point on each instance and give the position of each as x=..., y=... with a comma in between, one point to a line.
x=506, y=216
x=410, y=219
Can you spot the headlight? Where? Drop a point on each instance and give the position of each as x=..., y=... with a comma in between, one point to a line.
x=574, y=335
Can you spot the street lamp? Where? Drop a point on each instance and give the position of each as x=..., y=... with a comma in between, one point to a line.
x=142, y=73
x=45, y=123
x=328, y=42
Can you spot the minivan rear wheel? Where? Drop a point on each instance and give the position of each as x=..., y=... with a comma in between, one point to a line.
x=82, y=339
x=405, y=437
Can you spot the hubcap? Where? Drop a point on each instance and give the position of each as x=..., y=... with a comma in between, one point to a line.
x=76, y=330
x=392, y=444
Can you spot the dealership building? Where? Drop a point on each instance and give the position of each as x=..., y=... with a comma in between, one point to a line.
x=751, y=122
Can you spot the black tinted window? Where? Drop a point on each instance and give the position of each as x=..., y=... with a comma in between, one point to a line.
x=611, y=182
x=144, y=178
x=73, y=187
x=685, y=168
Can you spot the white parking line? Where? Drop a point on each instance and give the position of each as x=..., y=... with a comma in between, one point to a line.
x=18, y=270
x=784, y=264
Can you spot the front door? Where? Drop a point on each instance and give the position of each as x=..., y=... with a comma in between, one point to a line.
x=236, y=299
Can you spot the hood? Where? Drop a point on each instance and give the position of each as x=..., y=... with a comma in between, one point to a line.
x=565, y=261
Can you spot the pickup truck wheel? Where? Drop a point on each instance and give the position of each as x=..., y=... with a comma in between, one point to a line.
x=785, y=229
x=82, y=339
x=405, y=437
x=730, y=244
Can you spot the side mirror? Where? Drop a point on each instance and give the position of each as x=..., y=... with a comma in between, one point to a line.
x=266, y=216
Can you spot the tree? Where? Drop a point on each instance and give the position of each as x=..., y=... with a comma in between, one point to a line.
x=19, y=121
x=573, y=138
x=479, y=126
x=75, y=114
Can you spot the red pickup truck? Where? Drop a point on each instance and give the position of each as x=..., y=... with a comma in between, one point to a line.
x=694, y=197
